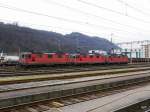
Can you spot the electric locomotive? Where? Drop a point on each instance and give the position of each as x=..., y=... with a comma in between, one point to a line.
x=38, y=58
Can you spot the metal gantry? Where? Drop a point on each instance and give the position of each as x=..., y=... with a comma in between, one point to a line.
x=136, y=47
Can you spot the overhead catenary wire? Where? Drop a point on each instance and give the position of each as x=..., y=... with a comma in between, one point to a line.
x=134, y=8
x=59, y=18
x=113, y=11
x=100, y=17
x=63, y=19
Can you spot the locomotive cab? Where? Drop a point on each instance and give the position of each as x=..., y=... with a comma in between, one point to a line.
x=25, y=57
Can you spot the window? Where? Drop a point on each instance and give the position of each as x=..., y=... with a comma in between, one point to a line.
x=26, y=56
x=59, y=56
x=91, y=56
x=23, y=56
x=50, y=56
x=39, y=55
x=29, y=56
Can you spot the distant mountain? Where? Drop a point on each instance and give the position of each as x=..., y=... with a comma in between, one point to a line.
x=13, y=38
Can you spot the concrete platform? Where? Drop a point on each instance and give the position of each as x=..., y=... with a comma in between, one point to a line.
x=11, y=87
x=110, y=103
x=63, y=88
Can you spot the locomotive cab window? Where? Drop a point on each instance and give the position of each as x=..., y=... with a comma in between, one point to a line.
x=26, y=56
x=22, y=56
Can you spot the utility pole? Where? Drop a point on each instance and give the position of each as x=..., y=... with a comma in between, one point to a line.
x=111, y=35
x=141, y=43
x=131, y=53
x=19, y=52
x=59, y=46
x=112, y=49
x=77, y=44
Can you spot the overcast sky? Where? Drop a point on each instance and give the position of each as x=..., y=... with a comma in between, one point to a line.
x=124, y=20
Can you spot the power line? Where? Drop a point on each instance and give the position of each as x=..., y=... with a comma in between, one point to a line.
x=118, y=35
x=134, y=8
x=113, y=11
x=58, y=18
x=86, y=13
x=135, y=42
x=37, y=13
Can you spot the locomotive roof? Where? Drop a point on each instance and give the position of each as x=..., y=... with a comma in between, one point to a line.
x=40, y=53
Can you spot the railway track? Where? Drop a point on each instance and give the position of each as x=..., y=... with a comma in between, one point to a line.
x=107, y=84
x=42, y=77
x=34, y=85
x=38, y=78
x=51, y=70
x=58, y=103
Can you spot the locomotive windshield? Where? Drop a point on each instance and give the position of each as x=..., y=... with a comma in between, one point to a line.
x=26, y=56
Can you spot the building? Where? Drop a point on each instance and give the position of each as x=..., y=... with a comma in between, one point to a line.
x=146, y=50
x=134, y=53
x=136, y=49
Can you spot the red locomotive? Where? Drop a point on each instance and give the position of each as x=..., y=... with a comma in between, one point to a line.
x=65, y=58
